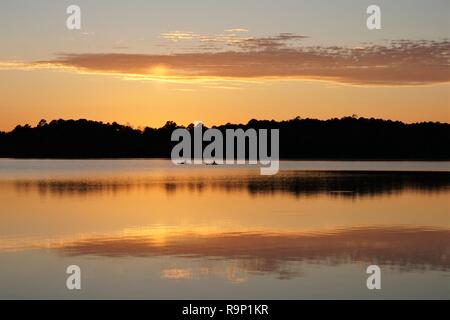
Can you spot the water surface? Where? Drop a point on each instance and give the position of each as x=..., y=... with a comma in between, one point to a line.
x=148, y=229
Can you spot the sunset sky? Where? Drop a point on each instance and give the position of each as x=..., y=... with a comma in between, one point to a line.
x=146, y=62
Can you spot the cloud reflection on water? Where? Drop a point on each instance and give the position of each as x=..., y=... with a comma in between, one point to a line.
x=403, y=248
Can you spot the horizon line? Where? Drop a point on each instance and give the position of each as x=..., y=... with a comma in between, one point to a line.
x=140, y=127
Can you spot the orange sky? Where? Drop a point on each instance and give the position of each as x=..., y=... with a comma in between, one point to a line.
x=227, y=67
x=32, y=95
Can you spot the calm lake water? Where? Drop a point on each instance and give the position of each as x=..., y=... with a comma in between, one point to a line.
x=148, y=229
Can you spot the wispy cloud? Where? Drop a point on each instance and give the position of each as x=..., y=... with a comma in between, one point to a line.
x=180, y=35
x=233, y=40
x=235, y=30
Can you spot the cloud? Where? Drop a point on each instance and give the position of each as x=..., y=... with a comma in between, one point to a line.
x=401, y=62
x=235, y=30
x=231, y=40
x=180, y=35
x=268, y=43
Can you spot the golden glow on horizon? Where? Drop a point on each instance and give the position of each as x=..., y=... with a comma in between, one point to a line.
x=28, y=97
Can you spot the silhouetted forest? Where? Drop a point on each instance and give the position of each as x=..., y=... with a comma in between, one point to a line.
x=345, y=138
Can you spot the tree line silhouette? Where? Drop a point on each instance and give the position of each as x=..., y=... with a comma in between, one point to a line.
x=344, y=138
